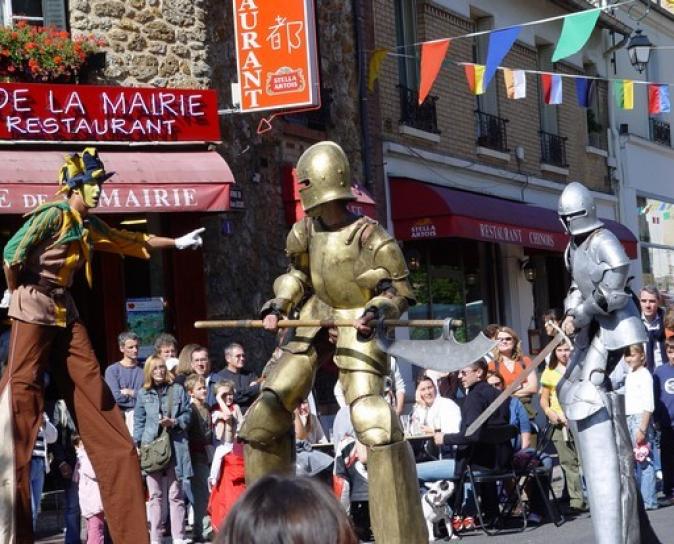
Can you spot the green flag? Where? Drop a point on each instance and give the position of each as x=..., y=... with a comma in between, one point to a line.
x=575, y=32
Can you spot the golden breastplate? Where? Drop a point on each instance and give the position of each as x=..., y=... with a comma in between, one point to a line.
x=333, y=257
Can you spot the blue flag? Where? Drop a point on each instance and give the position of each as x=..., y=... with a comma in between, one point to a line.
x=585, y=91
x=500, y=43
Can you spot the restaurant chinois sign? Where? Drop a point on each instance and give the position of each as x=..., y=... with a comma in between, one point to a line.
x=43, y=112
x=276, y=54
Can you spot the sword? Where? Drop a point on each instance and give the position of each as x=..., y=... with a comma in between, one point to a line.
x=558, y=339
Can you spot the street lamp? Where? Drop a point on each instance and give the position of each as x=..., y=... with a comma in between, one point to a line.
x=639, y=50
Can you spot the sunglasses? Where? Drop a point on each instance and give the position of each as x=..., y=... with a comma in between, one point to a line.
x=465, y=371
x=505, y=339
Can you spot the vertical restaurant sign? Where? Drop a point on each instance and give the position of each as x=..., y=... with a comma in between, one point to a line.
x=276, y=54
x=45, y=112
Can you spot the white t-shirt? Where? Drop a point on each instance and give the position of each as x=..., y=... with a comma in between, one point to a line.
x=639, y=392
x=443, y=411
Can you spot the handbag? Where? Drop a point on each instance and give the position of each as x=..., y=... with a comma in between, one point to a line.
x=156, y=455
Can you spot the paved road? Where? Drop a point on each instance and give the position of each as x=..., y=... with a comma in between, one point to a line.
x=574, y=531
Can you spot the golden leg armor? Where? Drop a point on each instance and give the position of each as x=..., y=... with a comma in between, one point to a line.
x=277, y=458
x=395, y=505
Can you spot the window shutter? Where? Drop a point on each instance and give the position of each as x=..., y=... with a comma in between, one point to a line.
x=54, y=13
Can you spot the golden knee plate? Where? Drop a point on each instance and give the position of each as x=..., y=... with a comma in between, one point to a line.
x=375, y=422
x=266, y=420
x=292, y=377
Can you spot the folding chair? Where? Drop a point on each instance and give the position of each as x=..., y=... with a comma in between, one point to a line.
x=481, y=477
x=534, y=470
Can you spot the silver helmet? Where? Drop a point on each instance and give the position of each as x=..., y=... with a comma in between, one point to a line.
x=577, y=210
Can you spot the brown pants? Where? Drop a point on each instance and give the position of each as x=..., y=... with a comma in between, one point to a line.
x=72, y=364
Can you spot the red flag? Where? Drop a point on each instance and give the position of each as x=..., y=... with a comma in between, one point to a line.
x=432, y=55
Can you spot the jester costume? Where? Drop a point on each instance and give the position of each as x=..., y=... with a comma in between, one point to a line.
x=48, y=336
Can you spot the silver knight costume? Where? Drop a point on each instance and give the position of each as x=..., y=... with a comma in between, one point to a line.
x=606, y=319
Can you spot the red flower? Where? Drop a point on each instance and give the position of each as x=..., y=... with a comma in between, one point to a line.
x=58, y=59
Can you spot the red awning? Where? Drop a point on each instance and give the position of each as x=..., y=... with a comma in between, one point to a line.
x=144, y=182
x=363, y=205
x=421, y=210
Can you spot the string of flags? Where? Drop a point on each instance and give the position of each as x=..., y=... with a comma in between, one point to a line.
x=654, y=207
x=576, y=30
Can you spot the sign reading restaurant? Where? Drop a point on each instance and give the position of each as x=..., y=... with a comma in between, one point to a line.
x=276, y=54
x=41, y=112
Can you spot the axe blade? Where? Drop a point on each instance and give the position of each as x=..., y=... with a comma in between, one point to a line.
x=443, y=354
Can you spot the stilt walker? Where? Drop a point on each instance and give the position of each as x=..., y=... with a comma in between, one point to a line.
x=341, y=267
x=40, y=261
x=603, y=319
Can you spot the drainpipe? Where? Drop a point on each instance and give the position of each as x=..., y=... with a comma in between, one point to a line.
x=362, y=92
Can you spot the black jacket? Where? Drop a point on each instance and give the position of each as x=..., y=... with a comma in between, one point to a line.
x=488, y=455
x=245, y=392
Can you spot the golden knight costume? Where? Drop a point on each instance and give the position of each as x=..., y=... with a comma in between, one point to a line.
x=339, y=274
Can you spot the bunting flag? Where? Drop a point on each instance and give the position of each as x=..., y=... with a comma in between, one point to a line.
x=516, y=83
x=475, y=77
x=432, y=55
x=585, y=88
x=624, y=93
x=576, y=31
x=552, y=88
x=658, y=99
x=378, y=55
x=500, y=42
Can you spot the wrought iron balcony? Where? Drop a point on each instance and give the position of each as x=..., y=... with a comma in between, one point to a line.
x=660, y=132
x=553, y=149
x=491, y=131
x=422, y=117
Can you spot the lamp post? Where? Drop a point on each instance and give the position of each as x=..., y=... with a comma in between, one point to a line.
x=639, y=50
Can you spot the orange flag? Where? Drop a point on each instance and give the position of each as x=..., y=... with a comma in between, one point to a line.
x=432, y=55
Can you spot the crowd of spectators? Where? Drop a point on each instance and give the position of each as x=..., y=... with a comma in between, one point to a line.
x=201, y=411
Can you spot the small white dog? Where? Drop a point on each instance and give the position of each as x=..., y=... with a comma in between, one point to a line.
x=435, y=504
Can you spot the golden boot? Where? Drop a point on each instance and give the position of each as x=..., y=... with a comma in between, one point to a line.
x=395, y=504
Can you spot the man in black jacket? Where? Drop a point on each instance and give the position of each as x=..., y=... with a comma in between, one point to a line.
x=246, y=383
x=488, y=455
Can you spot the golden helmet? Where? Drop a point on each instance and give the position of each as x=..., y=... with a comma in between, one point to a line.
x=324, y=175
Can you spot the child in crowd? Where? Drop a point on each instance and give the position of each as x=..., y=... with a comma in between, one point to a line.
x=663, y=380
x=201, y=451
x=227, y=479
x=639, y=406
x=91, y=505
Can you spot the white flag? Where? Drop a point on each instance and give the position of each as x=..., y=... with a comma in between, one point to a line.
x=516, y=83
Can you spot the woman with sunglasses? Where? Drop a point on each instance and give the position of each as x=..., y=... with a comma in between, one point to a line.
x=509, y=362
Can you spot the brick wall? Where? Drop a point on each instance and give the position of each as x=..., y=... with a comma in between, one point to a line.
x=456, y=105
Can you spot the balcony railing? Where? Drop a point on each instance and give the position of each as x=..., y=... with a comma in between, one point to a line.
x=422, y=117
x=491, y=131
x=660, y=132
x=597, y=140
x=553, y=149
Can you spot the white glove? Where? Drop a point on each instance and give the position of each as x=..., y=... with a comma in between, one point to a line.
x=6, y=299
x=191, y=240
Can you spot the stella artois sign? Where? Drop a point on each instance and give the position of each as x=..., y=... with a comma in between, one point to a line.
x=276, y=54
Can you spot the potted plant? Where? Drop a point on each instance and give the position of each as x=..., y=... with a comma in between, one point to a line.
x=43, y=54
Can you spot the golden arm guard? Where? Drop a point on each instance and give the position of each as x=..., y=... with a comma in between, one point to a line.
x=289, y=288
x=385, y=273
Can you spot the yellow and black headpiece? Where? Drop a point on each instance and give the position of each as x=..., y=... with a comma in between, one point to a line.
x=81, y=168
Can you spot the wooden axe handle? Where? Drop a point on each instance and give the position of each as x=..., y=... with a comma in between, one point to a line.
x=325, y=323
x=475, y=425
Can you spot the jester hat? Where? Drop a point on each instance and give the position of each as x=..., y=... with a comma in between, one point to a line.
x=81, y=168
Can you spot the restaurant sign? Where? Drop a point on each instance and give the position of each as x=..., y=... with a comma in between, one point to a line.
x=276, y=54
x=41, y=112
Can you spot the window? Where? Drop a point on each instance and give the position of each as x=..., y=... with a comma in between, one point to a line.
x=487, y=102
x=656, y=237
x=34, y=12
x=406, y=36
x=597, y=112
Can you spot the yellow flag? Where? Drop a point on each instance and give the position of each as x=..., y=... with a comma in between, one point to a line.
x=378, y=55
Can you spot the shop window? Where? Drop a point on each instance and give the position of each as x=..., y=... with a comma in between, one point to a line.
x=452, y=278
x=34, y=12
x=656, y=236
